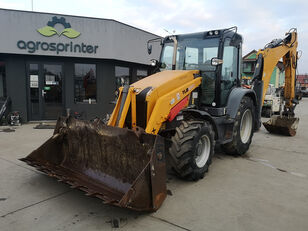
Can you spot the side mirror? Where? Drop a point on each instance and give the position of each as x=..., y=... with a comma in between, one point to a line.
x=149, y=46
x=149, y=49
x=216, y=61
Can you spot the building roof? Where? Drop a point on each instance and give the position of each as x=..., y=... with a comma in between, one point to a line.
x=35, y=33
x=78, y=16
x=302, y=78
x=252, y=55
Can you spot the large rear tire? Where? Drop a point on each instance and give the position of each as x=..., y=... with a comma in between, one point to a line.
x=192, y=149
x=243, y=129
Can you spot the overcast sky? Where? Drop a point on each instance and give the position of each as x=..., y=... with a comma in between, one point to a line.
x=259, y=21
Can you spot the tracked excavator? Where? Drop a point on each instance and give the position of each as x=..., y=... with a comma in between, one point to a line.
x=176, y=116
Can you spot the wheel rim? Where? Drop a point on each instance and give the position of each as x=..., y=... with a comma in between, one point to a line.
x=246, y=126
x=203, y=151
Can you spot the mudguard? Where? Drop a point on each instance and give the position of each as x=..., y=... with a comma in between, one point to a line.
x=235, y=99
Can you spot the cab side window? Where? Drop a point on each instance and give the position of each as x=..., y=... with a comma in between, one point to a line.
x=229, y=71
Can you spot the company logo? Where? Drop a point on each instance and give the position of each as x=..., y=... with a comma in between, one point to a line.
x=60, y=46
x=49, y=30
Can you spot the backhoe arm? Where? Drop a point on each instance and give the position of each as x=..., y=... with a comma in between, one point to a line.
x=285, y=49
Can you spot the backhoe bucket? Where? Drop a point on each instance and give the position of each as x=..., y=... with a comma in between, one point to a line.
x=118, y=165
x=282, y=125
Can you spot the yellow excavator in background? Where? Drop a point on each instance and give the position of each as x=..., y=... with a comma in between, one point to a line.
x=178, y=115
x=286, y=49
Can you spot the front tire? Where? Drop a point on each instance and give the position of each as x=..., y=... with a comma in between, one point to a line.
x=243, y=129
x=192, y=149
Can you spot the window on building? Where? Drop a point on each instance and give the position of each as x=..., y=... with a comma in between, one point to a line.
x=2, y=80
x=246, y=67
x=34, y=90
x=122, y=75
x=253, y=67
x=85, y=83
x=141, y=74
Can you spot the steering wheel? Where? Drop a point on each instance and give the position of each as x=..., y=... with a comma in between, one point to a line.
x=192, y=65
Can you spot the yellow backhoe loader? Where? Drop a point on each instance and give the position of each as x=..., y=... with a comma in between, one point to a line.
x=194, y=102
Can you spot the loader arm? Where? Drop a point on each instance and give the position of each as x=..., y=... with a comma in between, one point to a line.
x=165, y=104
x=168, y=102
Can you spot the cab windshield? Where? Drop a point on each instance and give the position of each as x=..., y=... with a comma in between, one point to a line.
x=192, y=54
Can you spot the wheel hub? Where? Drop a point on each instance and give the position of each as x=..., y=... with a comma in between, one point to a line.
x=246, y=126
x=203, y=150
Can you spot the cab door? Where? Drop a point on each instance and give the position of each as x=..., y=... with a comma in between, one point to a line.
x=229, y=71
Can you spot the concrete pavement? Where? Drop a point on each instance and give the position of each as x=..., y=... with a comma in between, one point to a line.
x=265, y=190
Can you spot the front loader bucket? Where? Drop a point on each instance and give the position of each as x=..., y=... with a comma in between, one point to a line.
x=118, y=165
x=282, y=125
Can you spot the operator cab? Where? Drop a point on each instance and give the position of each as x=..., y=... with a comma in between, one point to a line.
x=217, y=54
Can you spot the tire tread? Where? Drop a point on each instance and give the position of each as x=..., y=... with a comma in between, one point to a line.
x=182, y=150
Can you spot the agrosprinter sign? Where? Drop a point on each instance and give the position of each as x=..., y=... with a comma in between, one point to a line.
x=33, y=46
x=49, y=31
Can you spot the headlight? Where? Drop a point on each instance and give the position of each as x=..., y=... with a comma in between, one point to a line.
x=154, y=62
